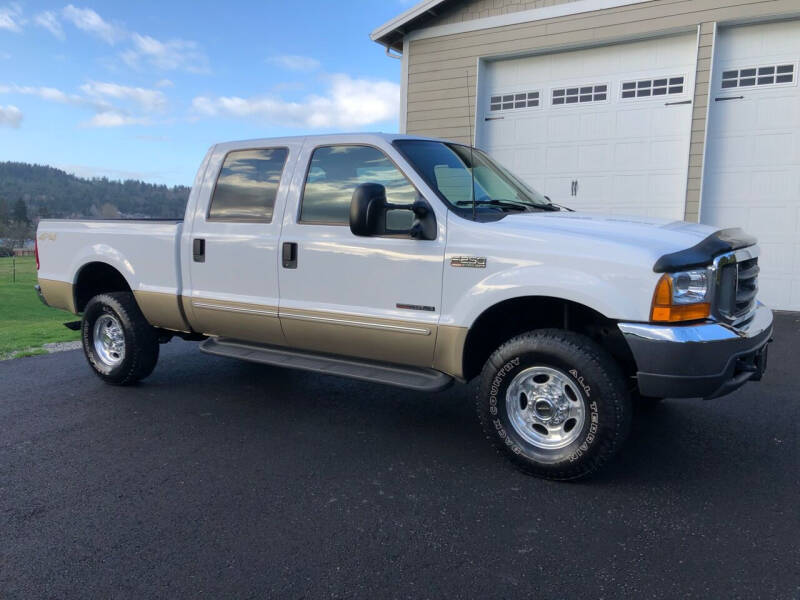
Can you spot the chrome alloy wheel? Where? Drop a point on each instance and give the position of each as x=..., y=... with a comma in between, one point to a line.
x=109, y=340
x=545, y=407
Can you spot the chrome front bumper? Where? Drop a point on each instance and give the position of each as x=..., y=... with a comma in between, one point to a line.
x=705, y=360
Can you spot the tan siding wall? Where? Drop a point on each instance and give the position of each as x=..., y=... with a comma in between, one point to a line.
x=442, y=70
x=478, y=9
x=705, y=50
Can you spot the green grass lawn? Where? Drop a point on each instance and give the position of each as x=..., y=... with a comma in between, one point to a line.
x=25, y=323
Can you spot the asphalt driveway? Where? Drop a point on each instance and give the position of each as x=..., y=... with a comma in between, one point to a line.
x=216, y=478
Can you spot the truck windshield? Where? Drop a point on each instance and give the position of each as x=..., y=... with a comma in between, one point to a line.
x=451, y=169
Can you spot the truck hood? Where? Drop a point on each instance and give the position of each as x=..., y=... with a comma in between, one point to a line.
x=656, y=236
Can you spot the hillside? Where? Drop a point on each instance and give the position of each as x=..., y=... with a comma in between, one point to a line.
x=50, y=192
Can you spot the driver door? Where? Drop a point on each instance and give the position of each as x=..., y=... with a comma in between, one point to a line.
x=370, y=297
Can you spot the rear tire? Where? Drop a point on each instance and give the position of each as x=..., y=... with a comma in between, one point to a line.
x=555, y=403
x=119, y=344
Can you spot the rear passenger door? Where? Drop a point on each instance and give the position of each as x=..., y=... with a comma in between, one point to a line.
x=369, y=297
x=234, y=244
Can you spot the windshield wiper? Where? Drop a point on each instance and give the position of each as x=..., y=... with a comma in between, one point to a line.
x=558, y=206
x=509, y=204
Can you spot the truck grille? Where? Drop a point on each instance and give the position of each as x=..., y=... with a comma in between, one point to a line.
x=738, y=286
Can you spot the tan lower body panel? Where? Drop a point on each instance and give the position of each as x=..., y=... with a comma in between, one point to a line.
x=387, y=340
x=449, y=354
x=58, y=294
x=161, y=310
x=237, y=320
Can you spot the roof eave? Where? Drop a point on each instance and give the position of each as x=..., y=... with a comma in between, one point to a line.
x=391, y=33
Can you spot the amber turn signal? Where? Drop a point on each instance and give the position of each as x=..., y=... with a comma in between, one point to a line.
x=664, y=311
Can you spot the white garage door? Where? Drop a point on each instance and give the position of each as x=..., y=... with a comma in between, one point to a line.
x=603, y=129
x=752, y=169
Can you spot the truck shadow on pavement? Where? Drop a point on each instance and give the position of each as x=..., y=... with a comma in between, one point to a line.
x=679, y=440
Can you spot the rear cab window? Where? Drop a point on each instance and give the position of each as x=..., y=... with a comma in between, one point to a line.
x=248, y=185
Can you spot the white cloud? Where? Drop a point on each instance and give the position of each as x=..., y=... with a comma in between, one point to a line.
x=49, y=20
x=11, y=17
x=166, y=56
x=293, y=62
x=164, y=83
x=145, y=51
x=113, y=118
x=348, y=103
x=147, y=99
x=96, y=96
x=89, y=21
x=10, y=116
x=45, y=93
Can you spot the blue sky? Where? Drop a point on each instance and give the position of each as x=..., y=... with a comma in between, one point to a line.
x=142, y=89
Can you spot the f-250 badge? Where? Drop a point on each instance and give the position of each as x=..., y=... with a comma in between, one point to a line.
x=474, y=262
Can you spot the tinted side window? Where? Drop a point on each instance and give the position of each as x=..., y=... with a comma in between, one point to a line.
x=334, y=174
x=247, y=185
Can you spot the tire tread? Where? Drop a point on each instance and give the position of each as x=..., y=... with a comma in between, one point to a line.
x=579, y=345
x=143, y=348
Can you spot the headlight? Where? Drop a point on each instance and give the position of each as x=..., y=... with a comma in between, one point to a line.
x=689, y=287
x=681, y=296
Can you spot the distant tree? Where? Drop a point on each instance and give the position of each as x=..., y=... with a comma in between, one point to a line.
x=65, y=196
x=3, y=211
x=44, y=212
x=109, y=211
x=16, y=234
x=21, y=212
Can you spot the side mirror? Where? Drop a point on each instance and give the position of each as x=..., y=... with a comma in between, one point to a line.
x=367, y=209
x=371, y=214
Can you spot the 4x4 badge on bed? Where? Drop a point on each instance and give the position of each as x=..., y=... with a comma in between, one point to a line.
x=475, y=262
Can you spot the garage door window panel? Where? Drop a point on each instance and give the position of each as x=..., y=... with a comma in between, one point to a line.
x=580, y=94
x=513, y=101
x=649, y=88
x=758, y=76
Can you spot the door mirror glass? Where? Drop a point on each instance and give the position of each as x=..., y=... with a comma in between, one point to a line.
x=399, y=220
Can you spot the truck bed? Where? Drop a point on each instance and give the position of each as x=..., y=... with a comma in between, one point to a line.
x=144, y=251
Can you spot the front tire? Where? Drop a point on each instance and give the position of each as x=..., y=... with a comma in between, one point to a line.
x=555, y=403
x=119, y=344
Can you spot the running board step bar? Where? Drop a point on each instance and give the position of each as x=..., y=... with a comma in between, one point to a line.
x=423, y=380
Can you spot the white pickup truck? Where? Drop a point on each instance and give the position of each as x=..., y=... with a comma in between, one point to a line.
x=416, y=262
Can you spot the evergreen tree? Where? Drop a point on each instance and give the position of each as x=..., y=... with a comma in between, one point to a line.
x=63, y=195
x=20, y=212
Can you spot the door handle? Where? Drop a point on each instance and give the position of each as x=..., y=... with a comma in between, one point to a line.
x=723, y=99
x=574, y=188
x=678, y=103
x=199, y=250
x=289, y=255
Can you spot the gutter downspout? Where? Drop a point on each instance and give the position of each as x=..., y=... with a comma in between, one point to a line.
x=403, y=56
